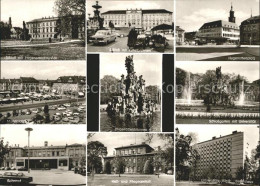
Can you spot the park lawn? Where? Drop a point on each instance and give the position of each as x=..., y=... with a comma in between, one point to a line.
x=67, y=51
x=125, y=179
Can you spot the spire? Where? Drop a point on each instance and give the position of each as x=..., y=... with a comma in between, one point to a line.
x=251, y=13
x=231, y=7
x=232, y=17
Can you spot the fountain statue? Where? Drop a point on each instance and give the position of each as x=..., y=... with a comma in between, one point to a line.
x=133, y=99
x=241, y=96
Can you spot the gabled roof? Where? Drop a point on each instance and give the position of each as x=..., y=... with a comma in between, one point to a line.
x=71, y=79
x=28, y=80
x=219, y=23
x=135, y=145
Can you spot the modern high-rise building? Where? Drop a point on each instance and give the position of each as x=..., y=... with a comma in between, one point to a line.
x=221, y=156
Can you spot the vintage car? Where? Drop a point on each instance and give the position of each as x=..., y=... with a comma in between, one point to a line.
x=103, y=36
x=142, y=41
x=13, y=178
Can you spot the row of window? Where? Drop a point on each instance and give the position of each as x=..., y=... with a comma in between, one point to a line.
x=53, y=23
x=123, y=16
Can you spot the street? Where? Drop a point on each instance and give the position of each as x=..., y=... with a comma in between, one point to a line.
x=120, y=45
x=217, y=53
x=53, y=177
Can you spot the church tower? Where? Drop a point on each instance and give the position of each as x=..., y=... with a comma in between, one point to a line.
x=232, y=17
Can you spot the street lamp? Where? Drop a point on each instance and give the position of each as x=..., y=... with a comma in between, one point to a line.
x=28, y=130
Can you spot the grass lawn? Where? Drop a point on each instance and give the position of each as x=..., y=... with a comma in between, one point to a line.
x=67, y=51
x=129, y=179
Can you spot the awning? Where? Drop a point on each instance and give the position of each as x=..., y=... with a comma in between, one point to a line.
x=162, y=27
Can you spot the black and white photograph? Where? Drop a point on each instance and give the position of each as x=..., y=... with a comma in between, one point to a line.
x=40, y=155
x=46, y=92
x=130, y=94
x=130, y=159
x=42, y=29
x=217, y=93
x=130, y=26
x=217, y=30
x=217, y=155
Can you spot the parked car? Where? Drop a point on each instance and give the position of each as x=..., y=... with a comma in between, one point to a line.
x=103, y=36
x=170, y=172
x=22, y=169
x=67, y=105
x=61, y=108
x=11, y=178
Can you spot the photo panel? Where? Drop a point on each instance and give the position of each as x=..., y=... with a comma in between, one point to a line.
x=130, y=26
x=43, y=92
x=131, y=93
x=217, y=154
x=130, y=159
x=217, y=93
x=217, y=30
x=43, y=30
x=30, y=157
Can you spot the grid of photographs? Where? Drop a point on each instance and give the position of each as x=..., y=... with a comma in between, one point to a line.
x=129, y=92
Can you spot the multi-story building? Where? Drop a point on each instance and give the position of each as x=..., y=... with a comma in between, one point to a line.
x=250, y=31
x=56, y=27
x=62, y=157
x=179, y=35
x=134, y=157
x=220, y=31
x=138, y=18
x=223, y=155
x=70, y=84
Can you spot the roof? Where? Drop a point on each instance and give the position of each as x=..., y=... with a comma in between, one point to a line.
x=251, y=20
x=149, y=11
x=179, y=28
x=219, y=23
x=44, y=19
x=76, y=145
x=28, y=80
x=135, y=145
x=71, y=79
x=162, y=27
x=215, y=138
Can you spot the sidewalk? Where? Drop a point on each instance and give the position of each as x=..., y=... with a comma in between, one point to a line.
x=43, y=44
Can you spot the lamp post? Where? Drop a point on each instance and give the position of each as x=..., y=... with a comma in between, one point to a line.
x=28, y=130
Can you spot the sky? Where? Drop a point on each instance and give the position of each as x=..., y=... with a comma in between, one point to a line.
x=148, y=65
x=192, y=14
x=26, y=10
x=126, y=4
x=42, y=69
x=112, y=141
x=248, y=69
x=206, y=132
x=54, y=134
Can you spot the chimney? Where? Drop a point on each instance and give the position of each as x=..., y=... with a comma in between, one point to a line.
x=214, y=137
x=234, y=132
x=46, y=144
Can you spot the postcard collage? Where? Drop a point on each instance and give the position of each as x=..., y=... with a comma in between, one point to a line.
x=129, y=92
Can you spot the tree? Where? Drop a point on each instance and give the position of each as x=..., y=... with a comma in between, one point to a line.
x=148, y=167
x=158, y=161
x=4, y=149
x=72, y=15
x=119, y=164
x=82, y=161
x=240, y=173
x=107, y=168
x=96, y=151
x=109, y=88
x=111, y=25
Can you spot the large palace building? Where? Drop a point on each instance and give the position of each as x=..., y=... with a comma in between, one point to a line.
x=223, y=155
x=220, y=31
x=250, y=31
x=53, y=27
x=138, y=18
x=62, y=157
x=135, y=156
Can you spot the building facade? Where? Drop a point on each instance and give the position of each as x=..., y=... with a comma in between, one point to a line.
x=134, y=157
x=138, y=18
x=220, y=31
x=70, y=84
x=221, y=156
x=250, y=31
x=179, y=35
x=56, y=27
x=62, y=157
